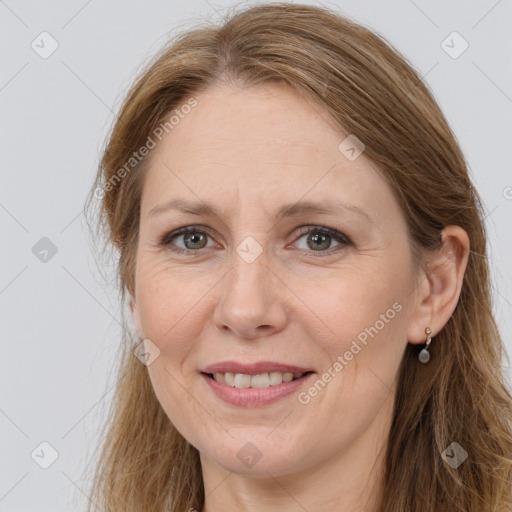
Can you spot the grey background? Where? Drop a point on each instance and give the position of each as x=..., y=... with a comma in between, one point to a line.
x=60, y=318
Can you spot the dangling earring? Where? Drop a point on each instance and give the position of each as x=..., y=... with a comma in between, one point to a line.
x=424, y=356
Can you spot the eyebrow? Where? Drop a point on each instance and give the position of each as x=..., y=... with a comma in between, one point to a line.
x=288, y=210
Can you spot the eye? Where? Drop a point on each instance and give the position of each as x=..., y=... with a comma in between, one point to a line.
x=319, y=239
x=193, y=238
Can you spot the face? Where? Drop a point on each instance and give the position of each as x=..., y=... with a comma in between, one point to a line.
x=326, y=290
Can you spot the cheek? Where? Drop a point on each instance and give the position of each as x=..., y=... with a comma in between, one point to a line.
x=355, y=300
x=366, y=319
x=180, y=406
x=171, y=304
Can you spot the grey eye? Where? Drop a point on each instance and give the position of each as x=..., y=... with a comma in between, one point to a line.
x=192, y=240
x=321, y=239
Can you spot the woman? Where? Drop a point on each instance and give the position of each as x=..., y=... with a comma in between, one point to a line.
x=304, y=256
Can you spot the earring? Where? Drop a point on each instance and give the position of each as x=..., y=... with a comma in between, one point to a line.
x=424, y=356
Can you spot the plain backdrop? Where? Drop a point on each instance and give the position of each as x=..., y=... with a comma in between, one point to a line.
x=60, y=314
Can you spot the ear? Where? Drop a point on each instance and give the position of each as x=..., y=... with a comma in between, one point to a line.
x=438, y=291
x=136, y=318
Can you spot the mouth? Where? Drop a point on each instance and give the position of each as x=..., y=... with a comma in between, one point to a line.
x=260, y=380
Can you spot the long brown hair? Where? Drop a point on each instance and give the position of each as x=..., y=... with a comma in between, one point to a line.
x=371, y=91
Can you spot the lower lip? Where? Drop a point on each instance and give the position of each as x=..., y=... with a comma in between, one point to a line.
x=254, y=397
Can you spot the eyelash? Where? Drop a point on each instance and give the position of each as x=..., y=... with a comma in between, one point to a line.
x=165, y=240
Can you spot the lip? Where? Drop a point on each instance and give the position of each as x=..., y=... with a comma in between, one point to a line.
x=254, y=397
x=253, y=368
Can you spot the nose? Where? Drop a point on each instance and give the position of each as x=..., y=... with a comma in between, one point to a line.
x=251, y=305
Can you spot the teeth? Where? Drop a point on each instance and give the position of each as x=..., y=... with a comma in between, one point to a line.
x=262, y=380
x=220, y=377
x=242, y=381
x=275, y=378
x=259, y=381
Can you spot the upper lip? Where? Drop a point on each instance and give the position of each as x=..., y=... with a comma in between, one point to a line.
x=253, y=368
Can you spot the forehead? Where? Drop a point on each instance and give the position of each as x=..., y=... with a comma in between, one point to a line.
x=269, y=121
x=266, y=145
